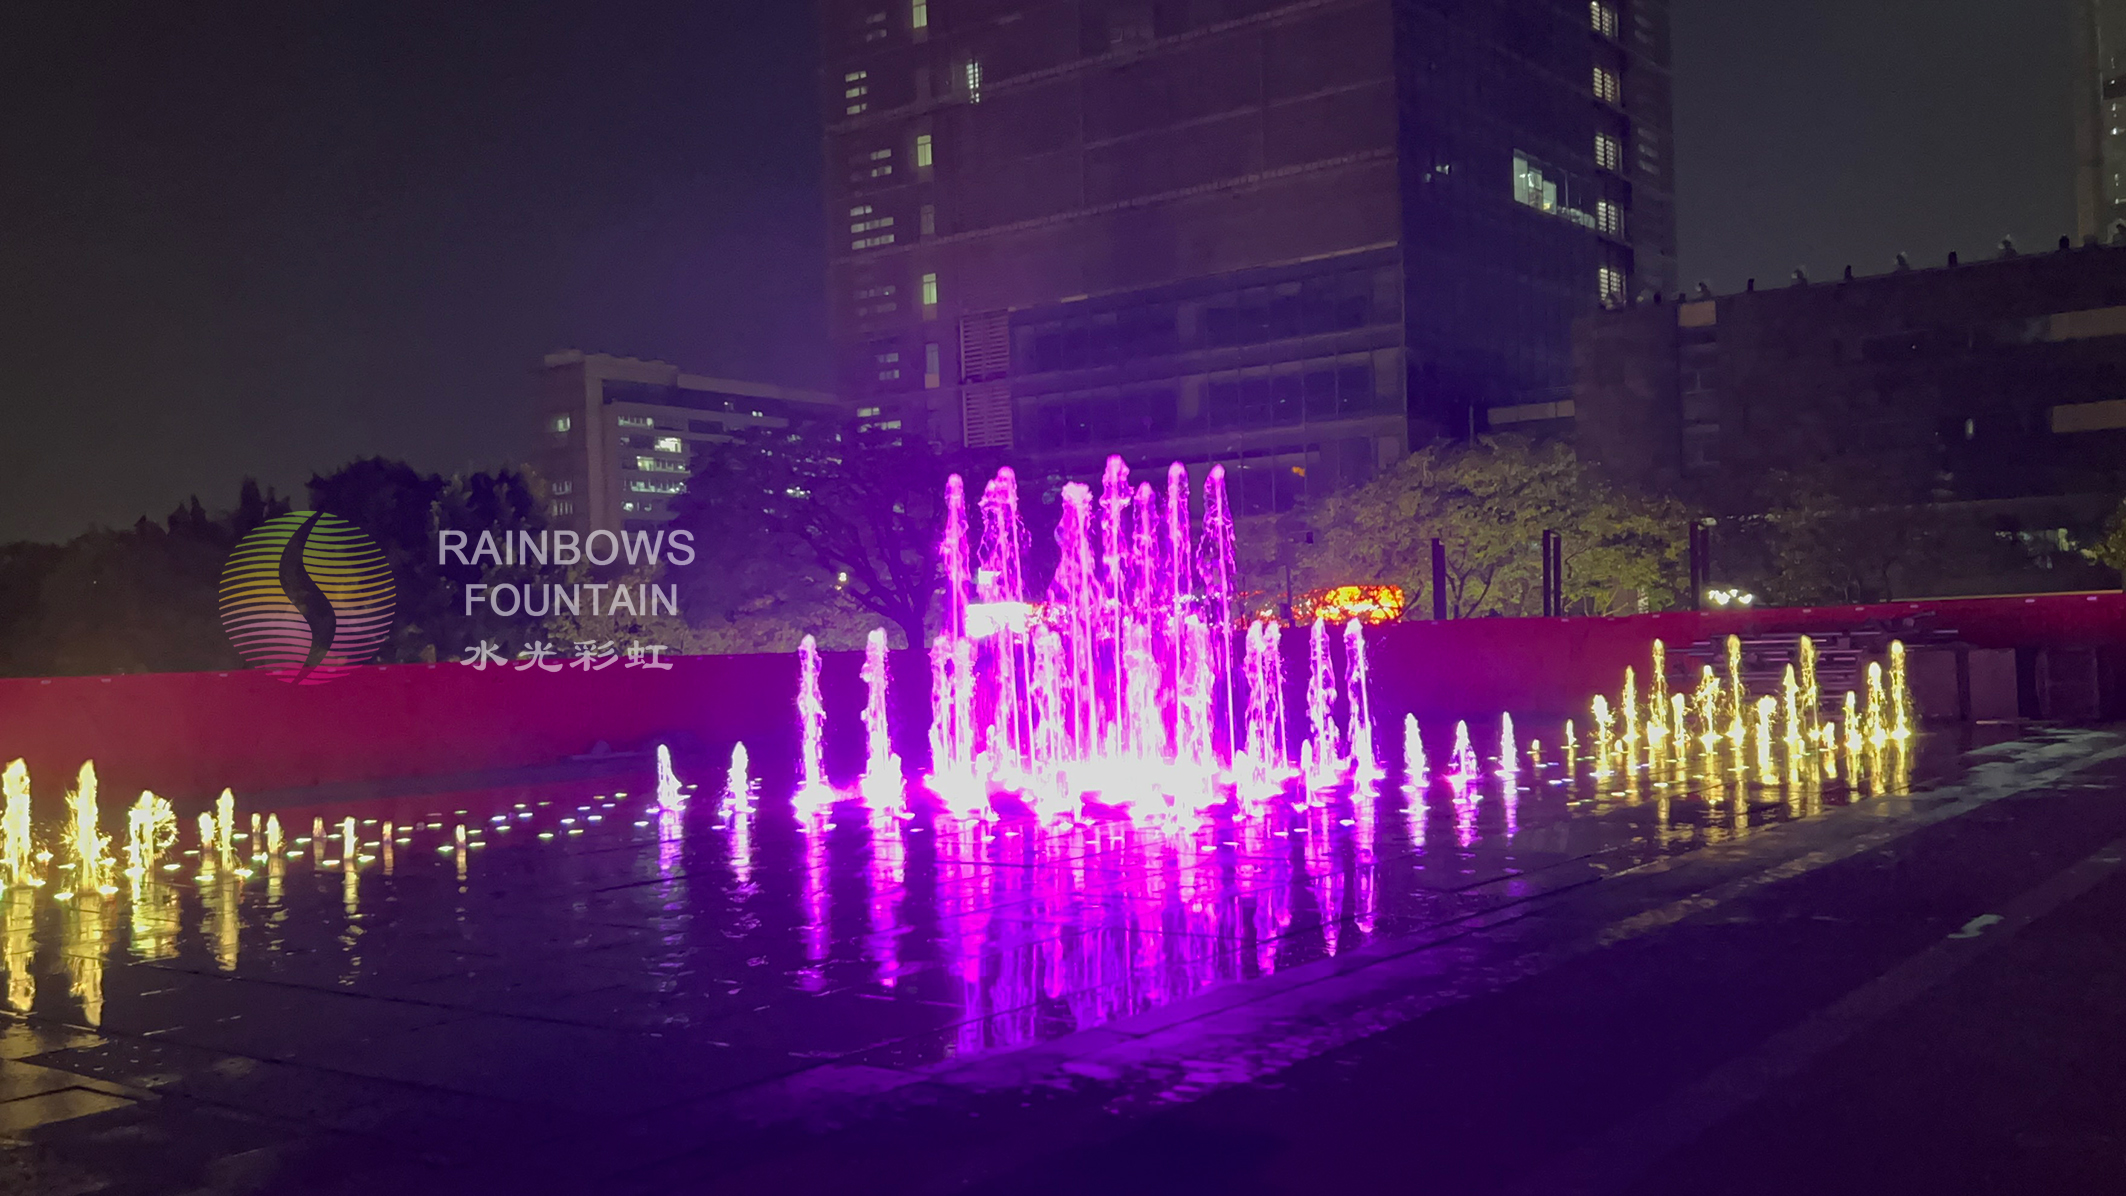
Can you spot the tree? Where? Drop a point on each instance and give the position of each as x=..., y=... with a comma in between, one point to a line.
x=1489, y=502
x=808, y=522
x=2110, y=551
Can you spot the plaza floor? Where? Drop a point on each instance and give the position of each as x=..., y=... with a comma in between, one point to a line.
x=415, y=983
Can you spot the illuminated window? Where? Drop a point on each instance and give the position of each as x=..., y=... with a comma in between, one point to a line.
x=855, y=86
x=931, y=373
x=561, y=487
x=659, y=465
x=563, y=508
x=561, y=424
x=637, y=421
x=863, y=243
x=930, y=290
x=649, y=486
x=919, y=14
x=1607, y=87
x=974, y=82
x=1609, y=218
x=873, y=31
x=1609, y=285
x=1604, y=18
x=866, y=412
x=670, y=444
x=1609, y=152
x=876, y=222
x=923, y=152
x=1535, y=185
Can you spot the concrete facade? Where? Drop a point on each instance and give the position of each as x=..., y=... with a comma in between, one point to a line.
x=1290, y=237
x=617, y=435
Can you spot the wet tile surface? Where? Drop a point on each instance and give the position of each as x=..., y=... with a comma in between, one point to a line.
x=505, y=956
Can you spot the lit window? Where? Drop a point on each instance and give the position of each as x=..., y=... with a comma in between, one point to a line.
x=924, y=155
x=659, y=465
x=974, y=82
x=670, y=444
x=637, y=421
x=866, y=412
x=562, y=487
x=562, y=424
x=1533, y=186
x=1609, y=152
x=886, y=358
x=563, y=508
x=1604, y=18
x=876, y=222
x=862, y=209
x=1609, y=285
x=932, y=375
x=1609, y=218
x=1607, y=87
x=930, y=290
x=856, y=76
x=649, y=486
x=919, y=14
x=863, y=243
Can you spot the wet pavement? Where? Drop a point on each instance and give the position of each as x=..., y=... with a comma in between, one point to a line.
x=578, y=990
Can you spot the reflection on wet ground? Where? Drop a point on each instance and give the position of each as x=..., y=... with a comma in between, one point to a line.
x=732, y=939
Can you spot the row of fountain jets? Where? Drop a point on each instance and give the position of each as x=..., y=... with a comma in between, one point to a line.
x=1119, y=684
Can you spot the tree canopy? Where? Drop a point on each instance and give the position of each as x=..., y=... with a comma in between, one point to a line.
x=1489, y=503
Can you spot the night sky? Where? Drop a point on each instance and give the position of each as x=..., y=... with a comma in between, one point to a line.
x=265, y=239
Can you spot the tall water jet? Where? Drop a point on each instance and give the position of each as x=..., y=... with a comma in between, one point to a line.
x=1628, y=711
x=1603, y=721
x=1415, y=767
x=1000, y=581
x=737, y=781
x=1075, y=593
x=1853, y=734
x=1509, y=750
x=87, y=846
x=669, y=796
x=1321, y=696
x=1735, y=697
x=882, y=782
x=225, y=833
x=1218, y=566
x=1356, y=685
x=1811, y=695
x=1790, y=697
x=1878, y=732
x=1657, y=728
x=151, y=829
x=17, y=856
x=1900, y=694
x=1465, y=768
x=811, y=719
x=1766, y=706
x=1263, y=664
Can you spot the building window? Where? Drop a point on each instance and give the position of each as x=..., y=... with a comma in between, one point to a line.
x=874, y=30
x=1549, y=190
x=871, y=242
x=1604, y=18
x=561, y=424
x=856, y=86
x=1607, y=87
x=973, y=75
x=866, y=412
x=930, y=220
x=1609, y=152
x=924, y=153
x=659, y=465
x=932, y=375
x=1609, y=218
x=919, y=14
x=561, y=487
x=562, y=508
x=930, y=290
x=669, y=444
x=876, y=222
x=649, y=486
x=1609, y=285
x=637, y=421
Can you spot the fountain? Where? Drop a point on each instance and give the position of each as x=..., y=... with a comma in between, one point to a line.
x=1117, y=682
x=669, y=796
x=16, y=853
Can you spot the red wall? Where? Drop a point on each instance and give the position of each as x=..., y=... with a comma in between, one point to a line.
x=189, y=734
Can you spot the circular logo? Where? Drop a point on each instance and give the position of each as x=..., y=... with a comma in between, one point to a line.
x=306, y=597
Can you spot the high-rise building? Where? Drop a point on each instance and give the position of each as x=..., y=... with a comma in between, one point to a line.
x=2100, y=117
x=1295, y=238
x=617, y=435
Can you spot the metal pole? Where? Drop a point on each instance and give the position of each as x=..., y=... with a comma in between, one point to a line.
x=1439, y=580
x=1553, y=589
